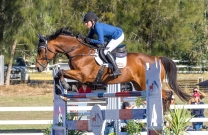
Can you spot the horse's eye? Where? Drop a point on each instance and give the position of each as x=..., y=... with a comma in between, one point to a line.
x=39, y=51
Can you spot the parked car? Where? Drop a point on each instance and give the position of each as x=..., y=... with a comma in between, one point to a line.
x=19, y=71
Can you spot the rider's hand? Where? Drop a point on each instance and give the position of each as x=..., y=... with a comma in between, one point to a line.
x=100, y=46
x=87, y=40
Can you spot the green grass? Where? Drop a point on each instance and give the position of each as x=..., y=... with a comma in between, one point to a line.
x=41, y=76
x=24, y=116
x=23, y=128
x=40, y=100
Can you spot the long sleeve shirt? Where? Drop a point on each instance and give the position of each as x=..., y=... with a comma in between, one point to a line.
x=104, y=32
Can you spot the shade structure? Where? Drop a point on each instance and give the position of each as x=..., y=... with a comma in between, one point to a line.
x=204, y=83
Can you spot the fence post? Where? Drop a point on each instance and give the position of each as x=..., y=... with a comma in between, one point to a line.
x=1, y=70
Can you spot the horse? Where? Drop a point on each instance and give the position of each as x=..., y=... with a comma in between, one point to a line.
x=84, y=68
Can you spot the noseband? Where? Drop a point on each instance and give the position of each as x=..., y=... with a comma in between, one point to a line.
x=45, y=46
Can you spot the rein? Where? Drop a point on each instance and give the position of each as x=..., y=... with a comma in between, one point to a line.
x=45, y=46
x=88, y=45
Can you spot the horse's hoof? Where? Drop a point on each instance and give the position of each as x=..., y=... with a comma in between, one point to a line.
x=65, y=85
x=65, y=99
x=58, y=89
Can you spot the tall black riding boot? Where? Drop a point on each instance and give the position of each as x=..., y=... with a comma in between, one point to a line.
x=116, y=71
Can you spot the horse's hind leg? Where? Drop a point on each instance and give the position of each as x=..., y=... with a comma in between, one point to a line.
x=166, y=99
x=137, y=87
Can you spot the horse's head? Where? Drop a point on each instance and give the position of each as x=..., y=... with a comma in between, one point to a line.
x=62, y=41
x=44, y=54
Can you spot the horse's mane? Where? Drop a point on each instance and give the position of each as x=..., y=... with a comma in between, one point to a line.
x=62, y=31
x=65, y=31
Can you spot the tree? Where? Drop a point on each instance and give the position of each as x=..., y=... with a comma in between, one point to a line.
x=13, y=20
x=176, y=29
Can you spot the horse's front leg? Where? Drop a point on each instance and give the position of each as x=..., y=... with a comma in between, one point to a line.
x=69, y=74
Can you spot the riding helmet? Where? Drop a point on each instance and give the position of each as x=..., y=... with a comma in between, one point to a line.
x=90, y=17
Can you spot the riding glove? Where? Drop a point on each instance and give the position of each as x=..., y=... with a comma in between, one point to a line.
x=87, y=40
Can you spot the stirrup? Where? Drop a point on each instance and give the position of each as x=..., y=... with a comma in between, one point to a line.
x=115, y=75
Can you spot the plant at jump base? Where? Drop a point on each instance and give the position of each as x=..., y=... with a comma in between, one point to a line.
x=47, y=131
x=140, y=102
x=176, y=121
x=134, y=127
x=74, y=117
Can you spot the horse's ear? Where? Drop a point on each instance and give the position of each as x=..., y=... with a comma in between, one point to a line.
x=41, y=37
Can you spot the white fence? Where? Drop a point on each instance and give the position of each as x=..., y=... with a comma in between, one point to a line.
x=83, y=108
x=182, y=69
x=79, y=108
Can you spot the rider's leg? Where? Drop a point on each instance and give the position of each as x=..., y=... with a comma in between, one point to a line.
x=117, y=71
x=112, y=45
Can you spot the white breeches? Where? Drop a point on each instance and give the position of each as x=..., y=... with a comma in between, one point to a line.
x=113, y=44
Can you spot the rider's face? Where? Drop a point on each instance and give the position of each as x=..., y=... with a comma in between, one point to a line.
x=88, y=24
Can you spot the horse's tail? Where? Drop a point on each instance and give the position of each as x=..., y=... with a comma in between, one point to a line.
x=171, y=75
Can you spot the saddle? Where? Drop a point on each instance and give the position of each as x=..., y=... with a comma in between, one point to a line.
x=119, y=52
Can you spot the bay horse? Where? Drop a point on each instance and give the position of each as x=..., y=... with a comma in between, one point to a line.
x=84, y=67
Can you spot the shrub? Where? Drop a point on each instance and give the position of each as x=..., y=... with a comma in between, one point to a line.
x=134, y=126
x=47, y=131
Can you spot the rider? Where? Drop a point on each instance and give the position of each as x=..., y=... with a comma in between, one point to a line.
x=104, y=31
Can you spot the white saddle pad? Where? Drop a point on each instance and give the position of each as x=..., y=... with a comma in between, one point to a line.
x=121, y=62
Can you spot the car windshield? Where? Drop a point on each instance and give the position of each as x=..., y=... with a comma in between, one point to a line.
x=19, y=62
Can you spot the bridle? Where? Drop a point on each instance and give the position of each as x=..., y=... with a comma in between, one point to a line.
x=44, y=44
